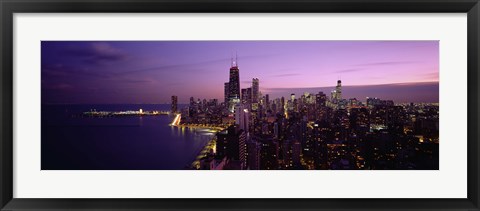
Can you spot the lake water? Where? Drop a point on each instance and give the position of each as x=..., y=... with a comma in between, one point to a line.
x=70, y=142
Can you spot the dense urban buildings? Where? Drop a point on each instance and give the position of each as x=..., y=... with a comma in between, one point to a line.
x=289, y=105
x=174, y=104
x=314, y=131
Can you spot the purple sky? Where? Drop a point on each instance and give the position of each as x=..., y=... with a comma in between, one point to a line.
x=114, y=72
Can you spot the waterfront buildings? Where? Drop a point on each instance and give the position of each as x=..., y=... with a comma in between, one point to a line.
x=314, y=131
x=174, y=104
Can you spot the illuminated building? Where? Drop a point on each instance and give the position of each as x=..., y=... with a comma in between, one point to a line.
x=255, y=94
x=255, y=90
x=371, y=102
x=242, y=148
x=234, y=86
x=291, y=154
x=296, y=153
x=321, y=134
x=253, y=157
x=246, y=96
x=226, y=92
x=315, y=131
x=353, y=101
x=320, y=99
x=360, y=120
x=242, y=117
x=333, y=96
x=338, y=90
x=268, y=153
x=231, y=143
x=275, y=130
x=267, y=101
x=174, y=104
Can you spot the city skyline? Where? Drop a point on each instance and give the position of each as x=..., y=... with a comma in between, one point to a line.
x=135, y=72
x=246, y=114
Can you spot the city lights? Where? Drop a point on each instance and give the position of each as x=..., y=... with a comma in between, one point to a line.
x=313, y=131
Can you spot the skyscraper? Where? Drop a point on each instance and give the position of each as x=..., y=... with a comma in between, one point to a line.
x=255, y=90
x=234, y=85
x=321, y=99
x=174, y=104
x=338, y=90
x=246, y=96
x=267, y=101
x=253, y=154
x=232, y=143
x=242, y=117
x=226, y=92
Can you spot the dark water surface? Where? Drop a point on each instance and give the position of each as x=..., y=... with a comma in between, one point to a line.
x=71, y=142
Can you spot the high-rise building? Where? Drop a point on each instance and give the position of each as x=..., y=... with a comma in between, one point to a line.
x=192, y=108
x=234, y=85
x=333, y=96
x=360, y=120
x=174, y=104
x=291, y=153
x=338, y=90
x=232, y=143
x=267, y=101
x=269, y=153
x=255, y=90
x=226, y=93
x=242, y=117
x=253, y=158
x=246, y=96
x=242, y=148
x=296, y=153
x=321, y=99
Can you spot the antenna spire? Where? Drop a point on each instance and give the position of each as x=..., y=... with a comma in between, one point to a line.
x=236, y=59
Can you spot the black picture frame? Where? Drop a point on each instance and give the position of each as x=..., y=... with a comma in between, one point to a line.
x=9, y=7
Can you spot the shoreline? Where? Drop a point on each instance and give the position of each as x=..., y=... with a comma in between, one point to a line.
x=211, y=144
x=205, y=151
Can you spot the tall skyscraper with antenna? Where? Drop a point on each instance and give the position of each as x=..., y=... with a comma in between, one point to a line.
x=338, y=90
x=234, y=85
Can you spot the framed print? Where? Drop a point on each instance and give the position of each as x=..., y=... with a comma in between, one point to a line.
x=239, y=105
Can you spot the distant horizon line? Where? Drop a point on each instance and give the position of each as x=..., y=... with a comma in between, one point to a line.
x=271, y=91
x=386, y=84
x=48, y=104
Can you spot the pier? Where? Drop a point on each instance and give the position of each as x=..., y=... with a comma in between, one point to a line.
x=140, y=112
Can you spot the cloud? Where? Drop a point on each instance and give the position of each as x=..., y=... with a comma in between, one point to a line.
x=188, y=66
x=286, y=75
x=430, y=76
x=97, y=53
x=349, y=70
x=177, y=67
x=386, y=63
x=60, y=70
